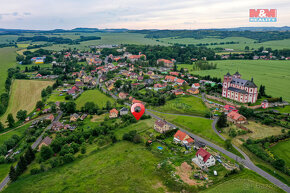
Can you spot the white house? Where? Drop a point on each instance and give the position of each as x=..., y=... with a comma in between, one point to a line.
x=196, y=85
x=203, y=159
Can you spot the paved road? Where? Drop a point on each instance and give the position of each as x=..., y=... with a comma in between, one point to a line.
x=33, y=146
x=246, y=162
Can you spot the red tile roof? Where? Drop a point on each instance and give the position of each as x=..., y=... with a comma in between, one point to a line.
x=114, y=111
x=234, y=115
x=180, y=135
x=203, y=153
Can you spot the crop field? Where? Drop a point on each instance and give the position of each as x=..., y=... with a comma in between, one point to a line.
x=123, y=167
x=24, y=96
x=7, y=60
x=281, y=149
x=95, y=96
x=188, y=105
x=274, y=74
x=243, y=42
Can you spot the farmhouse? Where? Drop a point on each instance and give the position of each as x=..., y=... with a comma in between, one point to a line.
x=161, y=126
x=45, y=142
x=182, y=138
x=113, y=113
x=166, y=63
x=236, y=118
x=203, y=159
x=238, y=89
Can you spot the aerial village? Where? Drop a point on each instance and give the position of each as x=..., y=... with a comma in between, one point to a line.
x=123, y=79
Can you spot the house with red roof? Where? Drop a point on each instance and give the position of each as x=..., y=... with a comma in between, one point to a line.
x=174, y=73
x=196, y=85
x=236, y=118
x=180, y=81
x=123, y=95
x=166, y=63
x=113, y=113
x=134, y=58
x=193, y=90
x=177, y=92
x=182, y=138
x=159, y=86
x=229, y=108
x=203, y=159
x=170, y=78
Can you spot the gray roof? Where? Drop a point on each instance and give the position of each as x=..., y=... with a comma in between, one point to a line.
x=124, y=109
x=242, y=82
x=237, y=90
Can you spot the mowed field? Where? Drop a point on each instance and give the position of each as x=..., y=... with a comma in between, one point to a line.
x=24, y=96
x=243, y=42
x=95, y=96
x=188, y=105
x=281, y=149
x=274, y=74
x=7, y=60
x=123, y=167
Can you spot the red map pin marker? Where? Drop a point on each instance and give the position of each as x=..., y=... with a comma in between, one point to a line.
x=137, y=109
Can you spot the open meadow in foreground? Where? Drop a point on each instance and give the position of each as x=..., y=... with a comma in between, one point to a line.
x=281, y=149
x=274, y=74
x=24, y=96
x=123, y=167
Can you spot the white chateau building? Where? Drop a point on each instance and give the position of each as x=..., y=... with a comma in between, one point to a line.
x=235, y=88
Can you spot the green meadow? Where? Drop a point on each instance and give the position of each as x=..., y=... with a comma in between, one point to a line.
x=274, y=74
x=95, y=96
x=7, y=60
x=243, y=42
x=188, y=105
x=281, y=150
x=122, y=167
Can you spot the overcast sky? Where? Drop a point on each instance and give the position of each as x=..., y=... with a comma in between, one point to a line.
x=136, y=14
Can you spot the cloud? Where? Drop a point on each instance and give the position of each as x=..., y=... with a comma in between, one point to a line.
x=136, y=14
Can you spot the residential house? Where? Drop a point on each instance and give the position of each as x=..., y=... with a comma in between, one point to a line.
x=196, y=85
x=193, y=90
x=236, y=118
x=182, y=138
x=166, y=63
x=161, y=126
x=159, y=86
x=50, y=117
x=113, y=113
x=177, y=92
x=45, y=142
x=56, y=126
x=123, y=95
x=124, y=111
x=203, y=159
x=265, y=104
x=170, y=78
x=174, y=73
x=180, y=81
x=74, y=117
x=83, y=116
x=229, y=108
x=150, y=73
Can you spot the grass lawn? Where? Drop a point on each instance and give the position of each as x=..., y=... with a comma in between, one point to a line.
x=7, y=60
x=4, y=170
x=281, y=150
x=123, y=167
x=140, y=126
x=188, y=105
x=246, y=181
x=19, y=131
x=95, y=96
x=274, y=74
x=24, y=96
x=259, y=130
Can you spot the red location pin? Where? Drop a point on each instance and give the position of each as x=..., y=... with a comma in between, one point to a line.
x=137, y=109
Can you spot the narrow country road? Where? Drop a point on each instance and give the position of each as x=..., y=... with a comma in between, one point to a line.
x=33, y=146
